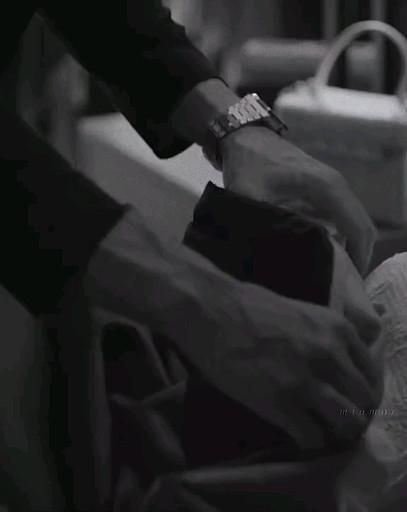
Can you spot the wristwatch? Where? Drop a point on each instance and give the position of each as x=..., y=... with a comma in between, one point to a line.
x=250, y=110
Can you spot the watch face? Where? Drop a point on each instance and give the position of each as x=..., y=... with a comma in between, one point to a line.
x=216, y=127
x=234, y=121
x=250, y=109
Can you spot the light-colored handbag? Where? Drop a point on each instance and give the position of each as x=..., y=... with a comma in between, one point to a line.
x=361, y=134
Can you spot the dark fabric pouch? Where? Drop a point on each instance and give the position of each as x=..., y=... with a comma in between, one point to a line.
x=263, y=244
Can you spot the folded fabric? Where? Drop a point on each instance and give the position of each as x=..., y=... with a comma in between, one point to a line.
x=263, y=244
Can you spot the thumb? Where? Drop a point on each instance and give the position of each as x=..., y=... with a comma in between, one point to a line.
x=348, y=296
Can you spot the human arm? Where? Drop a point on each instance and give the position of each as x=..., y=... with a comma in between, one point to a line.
x=144, y=60
x=58, y=227
x=149, y=49
x=258, y=163
x=170, y=92
x=278, y=357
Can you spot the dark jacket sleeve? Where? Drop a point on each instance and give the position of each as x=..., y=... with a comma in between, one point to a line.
x=140, y=53
x=51, y=218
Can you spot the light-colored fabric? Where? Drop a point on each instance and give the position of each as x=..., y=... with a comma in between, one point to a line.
x=377, y=475
x=387, y=286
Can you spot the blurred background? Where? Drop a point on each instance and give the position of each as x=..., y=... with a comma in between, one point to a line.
x=52, y=92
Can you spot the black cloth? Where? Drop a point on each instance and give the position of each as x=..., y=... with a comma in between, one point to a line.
x=263, y=244
x=133, y=46
x=52, y=219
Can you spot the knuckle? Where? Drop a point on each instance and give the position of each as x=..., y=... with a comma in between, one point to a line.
x=343, y=332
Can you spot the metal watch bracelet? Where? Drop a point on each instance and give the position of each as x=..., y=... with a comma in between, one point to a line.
x=250, y=110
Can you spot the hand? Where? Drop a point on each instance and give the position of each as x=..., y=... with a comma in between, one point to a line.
x=264, y=166
x=297, y=365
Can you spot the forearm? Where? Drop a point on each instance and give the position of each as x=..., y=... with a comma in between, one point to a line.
x=143, y=57
x=200, y=106
x=129, y=274
x=138, y=275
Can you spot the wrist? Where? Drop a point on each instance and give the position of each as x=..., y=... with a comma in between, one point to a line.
x=204, y=103
x=251, y=111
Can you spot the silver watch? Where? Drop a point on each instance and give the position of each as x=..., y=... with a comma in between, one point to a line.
x=250, y=110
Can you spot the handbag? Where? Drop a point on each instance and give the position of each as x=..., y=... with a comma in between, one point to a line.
x=361, y=134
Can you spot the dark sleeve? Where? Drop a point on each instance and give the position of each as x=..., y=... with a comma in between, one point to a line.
x=144, y=58
x=51, y=218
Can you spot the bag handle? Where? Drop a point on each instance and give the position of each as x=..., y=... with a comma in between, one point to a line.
x=346, y=38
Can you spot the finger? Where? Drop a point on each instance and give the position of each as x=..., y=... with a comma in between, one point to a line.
x=349, y=291
x=362, y=315
x=348, y=215
x=343, y=420
x=338, y=369
x=378, y=356
x=355, y=386
x=358, y=309
x=357, y=227
x=363, y=358
x=299, y=424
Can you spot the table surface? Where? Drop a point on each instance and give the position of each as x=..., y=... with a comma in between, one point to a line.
x=189, y=170
x=112, y=154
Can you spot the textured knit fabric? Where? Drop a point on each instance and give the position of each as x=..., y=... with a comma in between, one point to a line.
x=377, y=477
